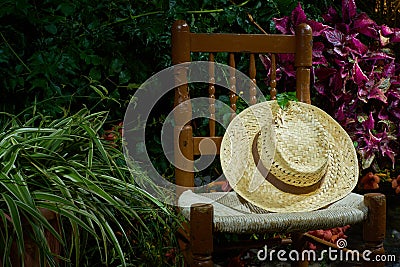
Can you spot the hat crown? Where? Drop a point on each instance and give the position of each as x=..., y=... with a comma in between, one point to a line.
x=302, y=150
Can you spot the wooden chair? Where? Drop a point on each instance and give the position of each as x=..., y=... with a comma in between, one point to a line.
x=204, y=222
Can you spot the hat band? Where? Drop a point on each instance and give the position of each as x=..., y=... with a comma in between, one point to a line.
x=287, y=188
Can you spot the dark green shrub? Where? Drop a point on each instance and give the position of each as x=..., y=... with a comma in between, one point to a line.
x=60, y=55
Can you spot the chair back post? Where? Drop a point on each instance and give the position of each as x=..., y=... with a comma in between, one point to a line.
x=303, y=62
x=183, y=133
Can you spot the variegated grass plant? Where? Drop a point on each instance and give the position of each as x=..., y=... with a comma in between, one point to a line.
x=64, y=166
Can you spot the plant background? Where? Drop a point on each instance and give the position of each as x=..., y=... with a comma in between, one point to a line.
x=356, y=80
x=57, y=57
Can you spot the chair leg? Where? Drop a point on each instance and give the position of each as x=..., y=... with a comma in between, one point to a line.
x=299, y=243
x=201, y=234
x=374, y=227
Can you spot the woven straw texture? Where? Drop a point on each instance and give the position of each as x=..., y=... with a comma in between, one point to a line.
x=301, y=156
x=304, y=146
x=232, y=214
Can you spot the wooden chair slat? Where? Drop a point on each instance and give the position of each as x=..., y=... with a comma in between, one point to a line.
x=252, y=75
x=272, y=82
x=232, y=84
x=242, y=43
x=211, y=95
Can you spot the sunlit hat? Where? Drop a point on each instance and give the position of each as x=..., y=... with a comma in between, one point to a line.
x=288, y=160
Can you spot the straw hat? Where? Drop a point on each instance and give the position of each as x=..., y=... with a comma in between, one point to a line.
x=288, y=160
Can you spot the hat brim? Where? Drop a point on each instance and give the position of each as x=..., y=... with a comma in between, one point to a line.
x=240, y=169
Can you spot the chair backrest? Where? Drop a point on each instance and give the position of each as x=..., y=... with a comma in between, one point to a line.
x=185, y=42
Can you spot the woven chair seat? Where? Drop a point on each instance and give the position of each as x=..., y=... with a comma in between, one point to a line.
x=233, y=214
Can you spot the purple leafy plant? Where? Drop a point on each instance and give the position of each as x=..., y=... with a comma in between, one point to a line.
x=356, y=77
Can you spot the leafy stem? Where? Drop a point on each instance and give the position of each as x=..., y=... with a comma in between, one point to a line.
x=15, y=54
x=187, y=12
x=135, y=17
x=214, y=10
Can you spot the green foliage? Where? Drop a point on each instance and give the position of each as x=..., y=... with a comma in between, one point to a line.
x=54, y=54
x=284, y=98
x=63, y=166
